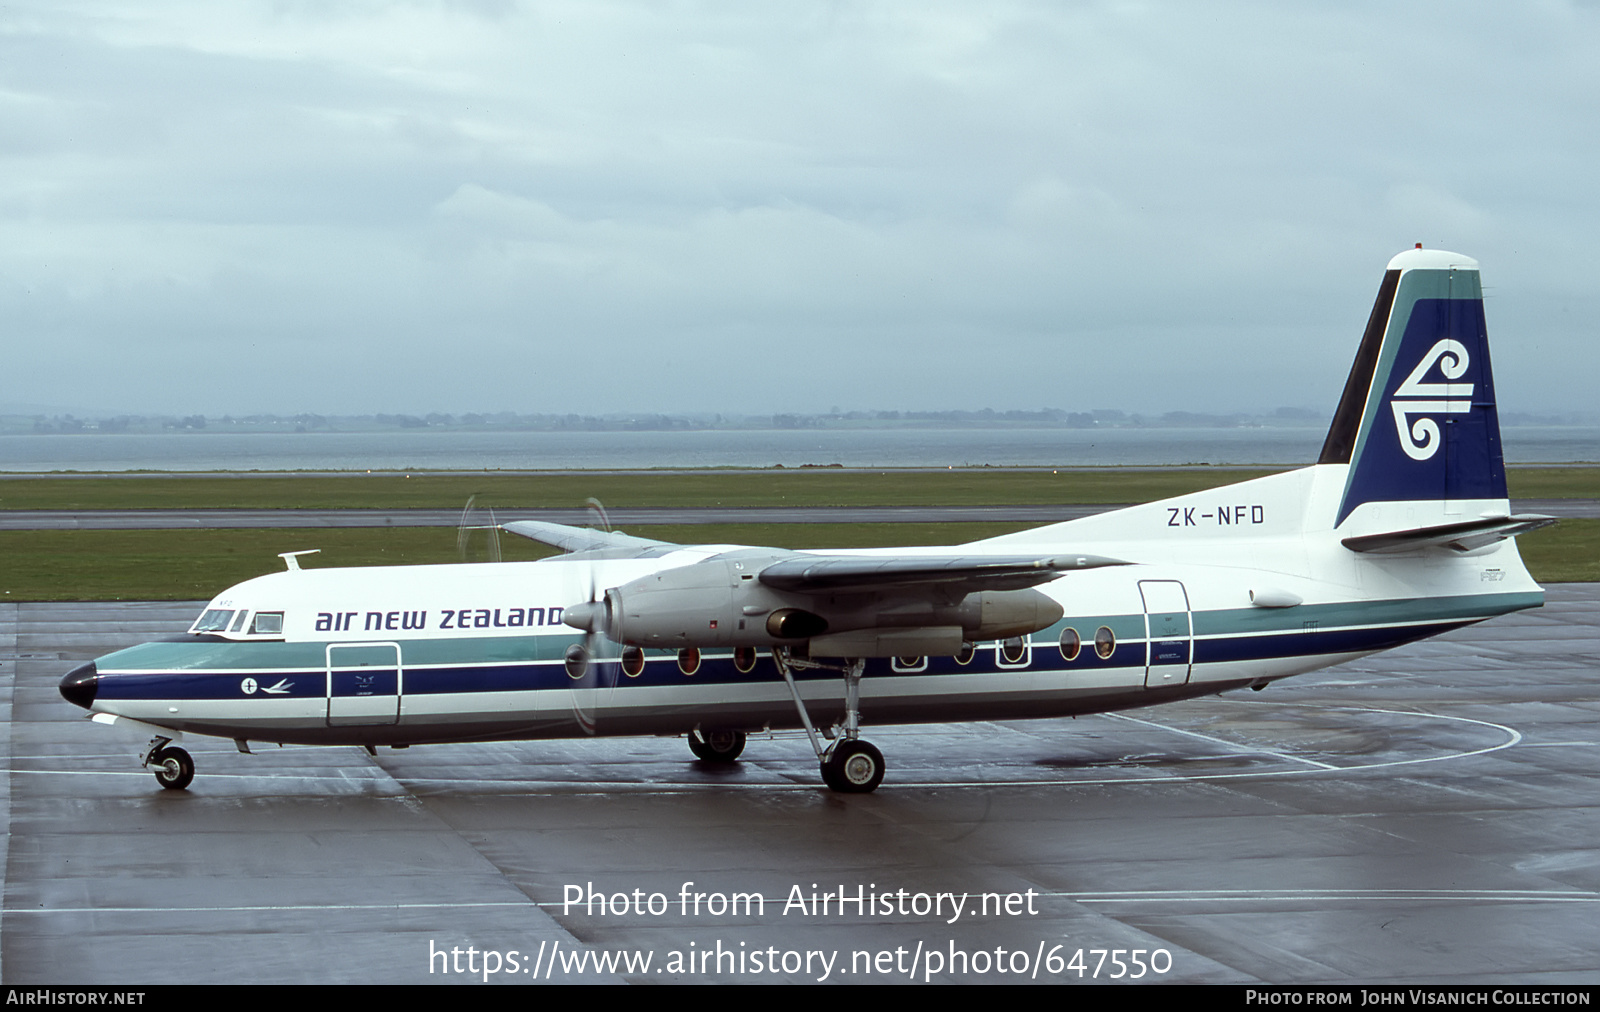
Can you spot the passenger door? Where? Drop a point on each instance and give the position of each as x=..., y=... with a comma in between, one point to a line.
x=1169, y=634
x=364, y=683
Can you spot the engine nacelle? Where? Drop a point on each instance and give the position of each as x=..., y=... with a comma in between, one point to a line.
x=721, y=603
x=717, y=603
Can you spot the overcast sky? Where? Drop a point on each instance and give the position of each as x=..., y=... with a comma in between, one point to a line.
x=753, y=207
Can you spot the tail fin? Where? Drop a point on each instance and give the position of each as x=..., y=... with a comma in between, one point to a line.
x=1417, y=421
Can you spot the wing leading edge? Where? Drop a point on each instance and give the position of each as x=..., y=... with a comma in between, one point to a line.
x=582, y=539
x=968, y=573
x=810, y=573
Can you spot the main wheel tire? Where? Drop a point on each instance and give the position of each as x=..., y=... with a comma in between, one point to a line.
x=853, y=767
x=717, y=746
x=173, y=768
x=830, y=776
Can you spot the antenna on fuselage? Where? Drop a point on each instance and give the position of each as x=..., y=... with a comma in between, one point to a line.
x=292, y=559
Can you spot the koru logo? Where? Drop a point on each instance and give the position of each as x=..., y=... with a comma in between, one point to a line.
x=248, y=686
x=1420, y=438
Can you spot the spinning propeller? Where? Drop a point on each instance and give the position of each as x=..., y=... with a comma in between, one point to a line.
x=467, y=525
x=590, y=673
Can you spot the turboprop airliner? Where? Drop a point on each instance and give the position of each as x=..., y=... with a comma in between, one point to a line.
x=1400, y=531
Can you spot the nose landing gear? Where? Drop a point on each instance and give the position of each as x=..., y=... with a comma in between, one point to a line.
x=173, y=766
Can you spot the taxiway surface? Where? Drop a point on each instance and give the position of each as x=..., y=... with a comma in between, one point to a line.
x=1428, y=815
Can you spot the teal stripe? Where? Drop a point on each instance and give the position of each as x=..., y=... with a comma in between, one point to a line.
x=1467, y=607
x=181, y=656
x=226, y=656
x=1123, y=627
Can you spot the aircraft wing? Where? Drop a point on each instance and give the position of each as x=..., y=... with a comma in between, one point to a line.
x=581, y=539
x=806, y=573
x=966, y=573
x=1463, y=537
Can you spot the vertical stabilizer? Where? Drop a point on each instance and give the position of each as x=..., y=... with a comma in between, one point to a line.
x=1417, y=421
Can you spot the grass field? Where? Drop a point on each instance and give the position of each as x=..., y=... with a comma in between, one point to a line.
x=194, y=565
x=183, y=565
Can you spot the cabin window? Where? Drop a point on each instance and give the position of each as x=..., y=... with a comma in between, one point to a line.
x=1014, y=650
x=214, y=620
x=1070, y=644
x=689, y=660
x=632, y=662
x=1105, y=643
x=968, y=650
x=576, y=662
x=744, y=658
x=267, y=623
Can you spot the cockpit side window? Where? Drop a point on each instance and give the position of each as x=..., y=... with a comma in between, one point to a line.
x=238, y=623
x=214, y=620
x=267, y=623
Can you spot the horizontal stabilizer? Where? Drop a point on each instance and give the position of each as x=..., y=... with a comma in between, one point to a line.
x=1461, y=537
x=579, y=539
x=966, y=573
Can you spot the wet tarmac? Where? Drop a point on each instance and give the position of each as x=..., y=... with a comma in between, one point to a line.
x=1429, y=815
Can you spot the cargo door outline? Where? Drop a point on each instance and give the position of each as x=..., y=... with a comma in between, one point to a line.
x=364, y=683
x=1168, y=633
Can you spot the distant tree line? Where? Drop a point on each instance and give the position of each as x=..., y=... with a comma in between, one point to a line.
x=509, y=421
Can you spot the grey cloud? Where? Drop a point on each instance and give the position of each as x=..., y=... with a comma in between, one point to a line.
x=595, y=207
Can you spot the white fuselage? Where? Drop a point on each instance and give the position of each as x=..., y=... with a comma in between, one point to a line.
x=1226, y=588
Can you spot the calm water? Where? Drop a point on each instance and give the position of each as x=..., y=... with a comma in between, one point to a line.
x=394, y=451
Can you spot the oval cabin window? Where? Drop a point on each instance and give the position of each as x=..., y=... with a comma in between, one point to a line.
x=1105, y=643
x=1071, y=644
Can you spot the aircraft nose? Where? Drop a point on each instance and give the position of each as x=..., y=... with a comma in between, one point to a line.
x=78, y=686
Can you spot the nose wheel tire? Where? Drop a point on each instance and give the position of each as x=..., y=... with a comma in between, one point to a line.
x=853, y=767
x=716, y=746
x=173, y=768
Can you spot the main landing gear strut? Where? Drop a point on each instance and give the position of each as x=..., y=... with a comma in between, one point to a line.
x=849, y=765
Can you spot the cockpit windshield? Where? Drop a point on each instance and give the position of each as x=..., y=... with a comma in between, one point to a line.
x=214, y=620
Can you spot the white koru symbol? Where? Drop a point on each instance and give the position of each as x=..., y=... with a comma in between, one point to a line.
x=249, y=686
x=1420, y=439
